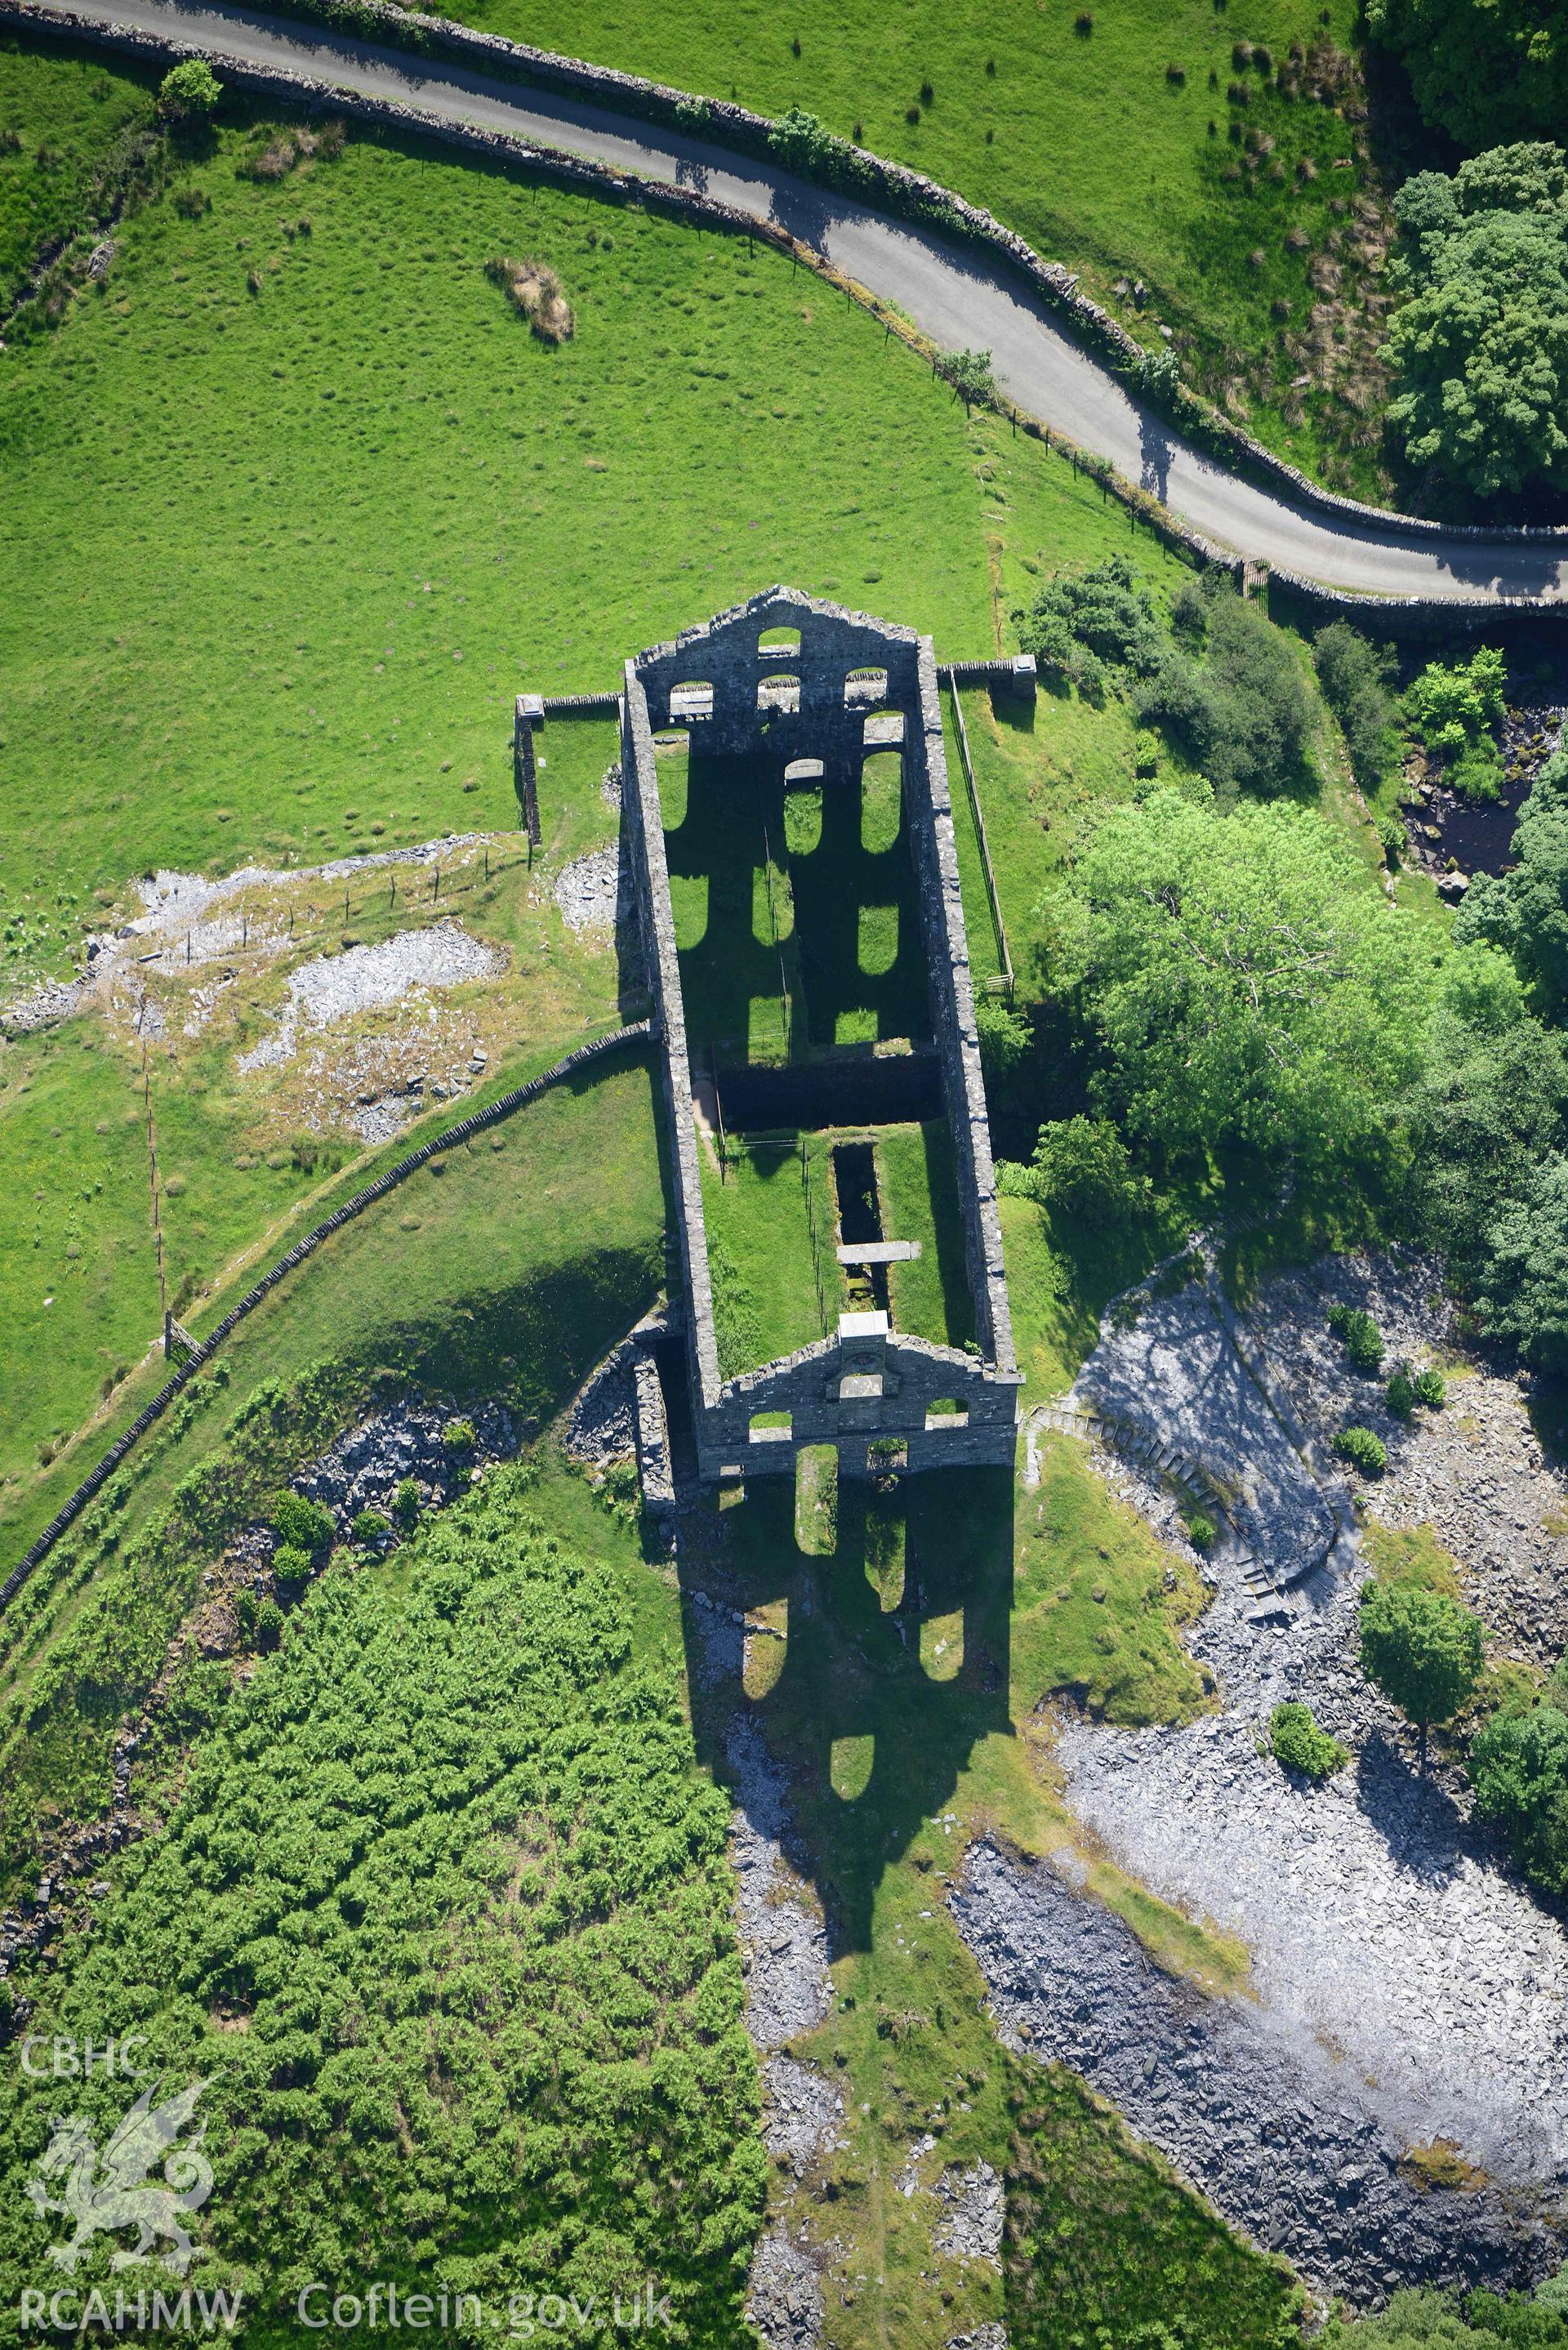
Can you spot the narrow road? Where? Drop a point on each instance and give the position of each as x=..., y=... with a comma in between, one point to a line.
x=954, y=294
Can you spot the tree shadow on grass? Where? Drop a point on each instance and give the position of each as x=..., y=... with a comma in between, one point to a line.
x=853, y=1670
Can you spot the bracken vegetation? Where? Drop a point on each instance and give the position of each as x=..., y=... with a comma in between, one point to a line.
x=441, y=1915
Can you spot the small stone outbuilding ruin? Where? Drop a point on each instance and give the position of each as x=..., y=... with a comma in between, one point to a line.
x=844, y=681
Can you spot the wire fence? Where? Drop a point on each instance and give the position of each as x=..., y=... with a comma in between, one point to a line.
x=999, y=927
x=212, y=940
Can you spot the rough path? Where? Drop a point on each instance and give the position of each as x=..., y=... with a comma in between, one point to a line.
x=954, y=294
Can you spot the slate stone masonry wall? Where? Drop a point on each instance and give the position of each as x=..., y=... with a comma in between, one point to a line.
x=860, y=1389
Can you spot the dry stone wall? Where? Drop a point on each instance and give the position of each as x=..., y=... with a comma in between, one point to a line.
x=635, y=1031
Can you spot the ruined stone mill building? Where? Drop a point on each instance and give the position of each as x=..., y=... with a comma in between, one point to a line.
x=786, y=693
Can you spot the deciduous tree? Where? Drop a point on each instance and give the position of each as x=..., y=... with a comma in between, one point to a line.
x=1424, y=1651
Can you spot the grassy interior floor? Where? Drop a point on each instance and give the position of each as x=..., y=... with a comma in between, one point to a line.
x=771, y=1219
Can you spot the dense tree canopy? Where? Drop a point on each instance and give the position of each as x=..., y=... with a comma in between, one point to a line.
x=1083, y=623
x=1480, y=350
x=1241, y=711
x=1244, y=983
x=1526, y=913
x=1519, y=1768
x=1355, y=675
x=1482, y=70
x=1487, y=1111
x=1425, y=2319
x=1521, y=1292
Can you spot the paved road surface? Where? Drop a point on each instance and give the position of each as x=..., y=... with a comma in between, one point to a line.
x=951, y=292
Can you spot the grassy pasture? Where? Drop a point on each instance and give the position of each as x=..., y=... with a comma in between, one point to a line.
x=236, y=640
x=230, y=642
x=60, y=114
x=217, y=646
x=509, y=1273
x=237, y=1166
x=1086, y=143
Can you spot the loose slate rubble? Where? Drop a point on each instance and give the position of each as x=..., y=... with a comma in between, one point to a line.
x=785, y=2302
x=330, y=988
x=1382, y=1925
x=802, y=2117
x=1285, y=2140
x=974, y=2206
x=364, y=1469
x=588, y=891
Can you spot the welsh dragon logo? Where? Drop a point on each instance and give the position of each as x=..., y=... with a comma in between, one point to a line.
x=111, y=2191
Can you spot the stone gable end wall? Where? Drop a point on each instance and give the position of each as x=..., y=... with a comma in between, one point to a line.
x=725, y=662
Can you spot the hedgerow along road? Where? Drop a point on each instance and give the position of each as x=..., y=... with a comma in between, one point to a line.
x=958, y=296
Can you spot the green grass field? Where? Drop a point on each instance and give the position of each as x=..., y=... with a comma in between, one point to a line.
x=248, y=649
x=60, y=116
x=78, y=1286
x=378, y=508
x=1086, y=144
x=508, y=1270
